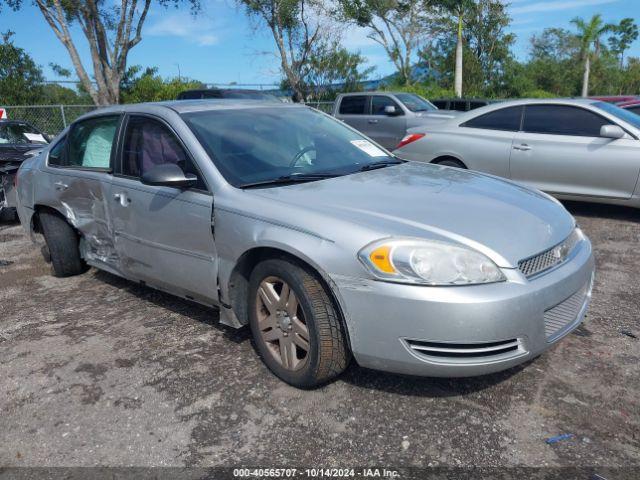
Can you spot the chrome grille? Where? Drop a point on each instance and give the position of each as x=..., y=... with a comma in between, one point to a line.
x=549, y=258
x=465, y=351
x=559, y=319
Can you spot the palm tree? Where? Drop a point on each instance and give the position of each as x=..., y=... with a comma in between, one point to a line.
x=589, y=34
x=457, y=8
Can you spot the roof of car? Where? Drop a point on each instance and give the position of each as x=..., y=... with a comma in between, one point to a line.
x=185, y=106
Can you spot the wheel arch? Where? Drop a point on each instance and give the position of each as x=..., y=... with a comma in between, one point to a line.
x=441, y=158
x=238, y=284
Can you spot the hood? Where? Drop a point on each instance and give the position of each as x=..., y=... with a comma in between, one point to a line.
x=18, y=153
x=503, y=220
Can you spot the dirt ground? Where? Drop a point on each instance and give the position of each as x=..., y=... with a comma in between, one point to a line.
x=96, y=370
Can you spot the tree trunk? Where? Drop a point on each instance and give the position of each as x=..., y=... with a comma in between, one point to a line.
x=585, y=78
x=458, y=71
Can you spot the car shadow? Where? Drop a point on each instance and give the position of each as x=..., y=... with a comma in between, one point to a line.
x=433, y=387
x=355, y=375
x=195, y=311
x=600, y=210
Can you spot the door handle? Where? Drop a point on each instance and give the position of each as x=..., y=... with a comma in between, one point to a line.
x=122, y=199
x=524, y=147
x=372, y=121
x=61, y=186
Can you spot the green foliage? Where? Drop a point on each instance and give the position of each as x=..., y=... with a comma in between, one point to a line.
x=151, y=87
x=624, y=34
x=20, y=77
x=425, y=90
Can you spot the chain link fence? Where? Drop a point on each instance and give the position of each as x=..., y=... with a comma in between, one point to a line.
x=51, y=119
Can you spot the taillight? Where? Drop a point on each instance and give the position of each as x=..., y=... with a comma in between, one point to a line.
x=410, y=138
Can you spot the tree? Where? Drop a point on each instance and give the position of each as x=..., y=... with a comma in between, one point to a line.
x=111, y=30
x=20, y=77
x=333, y=68
x=399, y=26
x=624, y=34
x=297, y=30
x=589, y=34
x=485, y=43
x=151, y=87
x=457, y=8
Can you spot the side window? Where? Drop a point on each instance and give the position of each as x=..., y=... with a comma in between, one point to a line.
x=635, y=110
x=562, y=120
x=90, y=143
x=441, y=104
x=353, y=105
x=506, y=119
x=57, y=153
x=148, y=143
x=379, y=102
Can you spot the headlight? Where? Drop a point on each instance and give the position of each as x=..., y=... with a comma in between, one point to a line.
x=428, y=262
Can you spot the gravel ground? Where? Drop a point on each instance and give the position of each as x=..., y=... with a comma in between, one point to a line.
x=96, y=370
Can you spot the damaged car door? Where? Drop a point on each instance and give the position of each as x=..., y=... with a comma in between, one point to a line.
x=80, y=167
x=162, y=212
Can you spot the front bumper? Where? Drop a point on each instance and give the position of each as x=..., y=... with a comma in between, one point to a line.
x=467, y=330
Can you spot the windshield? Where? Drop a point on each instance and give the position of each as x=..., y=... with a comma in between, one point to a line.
x=415, y=103
x=262, y=144
x=20, y=133
x=624, y=115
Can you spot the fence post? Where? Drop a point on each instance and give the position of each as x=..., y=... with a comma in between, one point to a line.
x=64, y=119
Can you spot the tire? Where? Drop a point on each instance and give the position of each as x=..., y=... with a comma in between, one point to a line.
x=8, y=214
x=450, y=162
x=328, y=354
x=62, y=243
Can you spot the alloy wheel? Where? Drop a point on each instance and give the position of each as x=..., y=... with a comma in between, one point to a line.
x=282, y=324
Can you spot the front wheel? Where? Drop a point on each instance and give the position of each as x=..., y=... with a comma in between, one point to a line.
x=295, y=324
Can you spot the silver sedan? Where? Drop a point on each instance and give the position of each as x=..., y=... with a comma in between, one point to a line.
x=572, y=149
x=327, y=246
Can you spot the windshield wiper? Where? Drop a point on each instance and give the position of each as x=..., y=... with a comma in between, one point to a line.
x=288, y=179
x=380, y=164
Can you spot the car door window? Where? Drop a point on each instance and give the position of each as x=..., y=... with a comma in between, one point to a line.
x=89, y=144
x=562, y=120
x=635, y=110
x=57, y=152
x=506, y=119
x=353, y=105
x=148, y=143
x=379, y=102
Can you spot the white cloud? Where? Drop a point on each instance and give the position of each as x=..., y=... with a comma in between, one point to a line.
x=557, y=5
x=196, y=29
x=356, y=38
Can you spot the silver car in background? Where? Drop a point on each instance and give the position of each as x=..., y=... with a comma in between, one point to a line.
x=324, y=244
x=385, y=117
x=572, y=149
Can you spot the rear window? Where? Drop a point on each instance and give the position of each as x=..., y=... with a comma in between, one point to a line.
x=20, y=133
x=506, y=119
x=353, y=105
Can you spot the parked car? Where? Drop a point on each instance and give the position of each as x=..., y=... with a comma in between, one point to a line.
x=18, y=141
x=385, y=116
x=572, y=149
x=324, y=244
x=632, y=106
x=461, y=104
x=615, y=98
x=232, y=93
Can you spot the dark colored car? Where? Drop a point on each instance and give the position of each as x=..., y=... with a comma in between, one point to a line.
x=239, y=94
x=461, y=104
x=18, y=141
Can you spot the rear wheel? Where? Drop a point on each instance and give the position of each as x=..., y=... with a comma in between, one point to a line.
x=62, y=245
x=295, y=325
x=450, y=162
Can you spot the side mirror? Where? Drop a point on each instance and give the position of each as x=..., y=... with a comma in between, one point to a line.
x=612, y=131
x=168, y=175
x=391, y=111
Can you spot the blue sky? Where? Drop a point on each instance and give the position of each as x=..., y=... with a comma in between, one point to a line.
x=220, y=45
